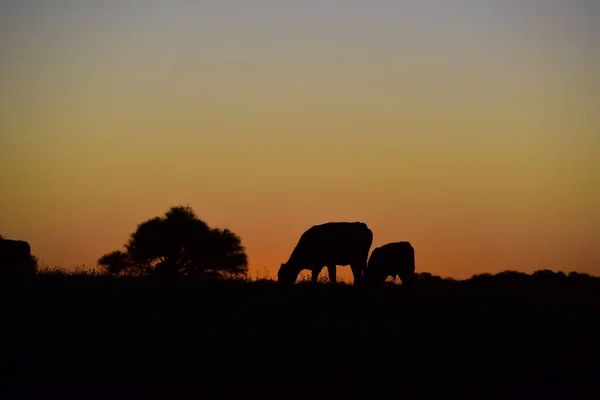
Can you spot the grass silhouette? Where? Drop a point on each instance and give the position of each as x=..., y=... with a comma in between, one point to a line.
x=119, y=330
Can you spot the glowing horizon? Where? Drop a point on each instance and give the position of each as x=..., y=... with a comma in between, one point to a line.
x=467, y=129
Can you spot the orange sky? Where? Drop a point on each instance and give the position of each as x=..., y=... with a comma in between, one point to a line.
x=469, y=130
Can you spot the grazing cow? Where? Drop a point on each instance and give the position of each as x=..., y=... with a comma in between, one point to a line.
x=15, y=257
x=328, y=245
x=391, y=259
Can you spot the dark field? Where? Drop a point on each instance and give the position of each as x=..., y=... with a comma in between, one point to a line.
x=105, y=337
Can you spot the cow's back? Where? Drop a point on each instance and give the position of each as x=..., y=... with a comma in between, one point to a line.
x=338, y=243
x=392, y=255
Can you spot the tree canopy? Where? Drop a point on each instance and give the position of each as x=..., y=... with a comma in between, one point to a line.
x=178, y=244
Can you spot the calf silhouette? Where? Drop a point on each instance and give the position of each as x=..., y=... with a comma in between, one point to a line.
x=397, y=258
x=329, y=245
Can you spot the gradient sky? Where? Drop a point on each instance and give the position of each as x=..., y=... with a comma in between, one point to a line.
x=470, y=128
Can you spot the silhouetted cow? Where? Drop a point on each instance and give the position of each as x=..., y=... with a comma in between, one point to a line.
x=329, y=244
x=397, y=258
x=15, y=257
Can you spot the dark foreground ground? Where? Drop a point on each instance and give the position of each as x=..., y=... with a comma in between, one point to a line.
x=100, y=337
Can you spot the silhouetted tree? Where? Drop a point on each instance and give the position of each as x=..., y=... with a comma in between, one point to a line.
x=178, y=244
x=485, y=277
x=119, y=262
x=427, y=280
x=579, y=277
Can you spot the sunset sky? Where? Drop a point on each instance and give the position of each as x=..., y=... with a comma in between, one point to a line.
x=469, y=128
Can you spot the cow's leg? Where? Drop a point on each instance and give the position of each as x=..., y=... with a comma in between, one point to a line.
x=332, y=273
x=315, y=274
x=357, y=272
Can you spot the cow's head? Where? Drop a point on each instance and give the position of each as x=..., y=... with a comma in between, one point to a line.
x=407, y=278
x=374, y=276
x=287, y=274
